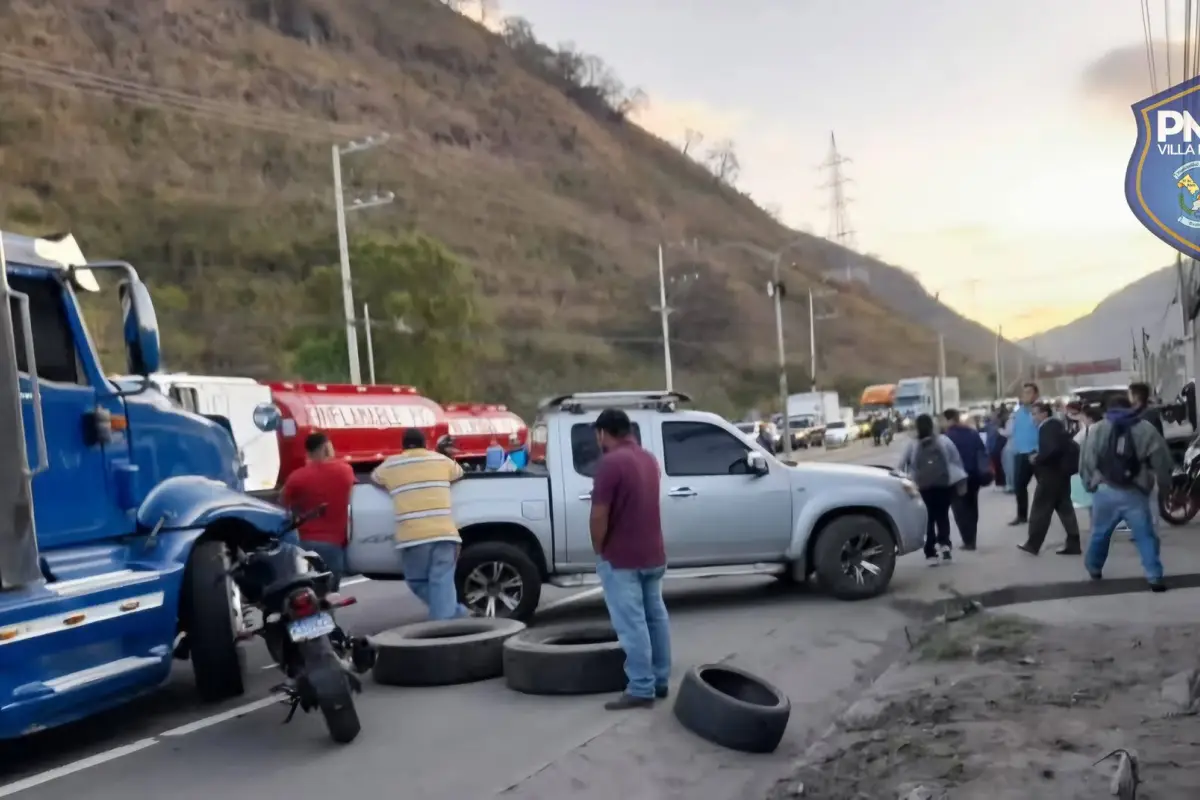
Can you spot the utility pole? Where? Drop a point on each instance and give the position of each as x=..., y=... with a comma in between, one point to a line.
x=813, y=319
x=776, y=291
x=941, y=381
x=999, y=362
x=664, y=312
x=370, y=346
x=339, y=200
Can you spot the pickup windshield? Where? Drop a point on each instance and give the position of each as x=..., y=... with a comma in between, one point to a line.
x=833, y=426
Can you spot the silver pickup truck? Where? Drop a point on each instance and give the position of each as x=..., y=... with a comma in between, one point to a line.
x=728, y=508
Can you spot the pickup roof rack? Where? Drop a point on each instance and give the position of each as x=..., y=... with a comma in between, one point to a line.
x=579, y=401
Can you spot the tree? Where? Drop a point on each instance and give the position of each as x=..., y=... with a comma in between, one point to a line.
x=425, y=326
x=774, y=211
x=691, y=138
x=517, y=33
x=723, y=162
x=632, y=102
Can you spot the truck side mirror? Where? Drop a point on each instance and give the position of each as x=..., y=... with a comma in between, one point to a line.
x=267, y=417
x=757, y=463
x=140, y=328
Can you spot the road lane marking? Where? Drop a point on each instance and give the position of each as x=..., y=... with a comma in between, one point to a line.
x=587, y=594
x=354, y=581
x=77, y=766
x=224, y=716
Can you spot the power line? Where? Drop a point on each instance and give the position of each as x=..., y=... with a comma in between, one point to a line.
x=1148, y=38
x=58, y=76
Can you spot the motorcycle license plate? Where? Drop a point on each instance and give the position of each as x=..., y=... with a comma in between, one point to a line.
x=312, y=627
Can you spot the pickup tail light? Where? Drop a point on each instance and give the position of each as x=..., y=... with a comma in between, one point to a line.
x=302, y=603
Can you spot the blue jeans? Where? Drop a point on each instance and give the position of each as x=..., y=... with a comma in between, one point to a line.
x=639, y=617
x=1111, y=506
x=333, y=556
x=429, y=573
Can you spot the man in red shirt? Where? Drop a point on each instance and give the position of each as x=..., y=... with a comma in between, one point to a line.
x=324, y=480
x=626, y=529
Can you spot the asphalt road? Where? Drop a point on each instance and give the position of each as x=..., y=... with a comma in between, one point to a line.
x=457, y=742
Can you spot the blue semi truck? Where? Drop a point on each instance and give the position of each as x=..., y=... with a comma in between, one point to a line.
x=119, y=510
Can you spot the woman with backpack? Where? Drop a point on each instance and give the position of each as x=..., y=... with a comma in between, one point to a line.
x=931, y=460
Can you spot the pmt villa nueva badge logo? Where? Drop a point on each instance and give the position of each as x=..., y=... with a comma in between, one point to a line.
x=1162, y=181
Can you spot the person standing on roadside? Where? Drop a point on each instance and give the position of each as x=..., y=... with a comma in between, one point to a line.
x=324, y=481
x=1054, y=462
x=427, y=540
x=974, y=457
x=1024, y=442
x=1123, y=460
x=994, y=432
x=931, y=460
x=626, y=532
x=1081, y=498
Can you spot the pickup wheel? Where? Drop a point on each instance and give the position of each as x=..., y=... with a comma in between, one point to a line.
x=498, y=579
x=213, y=619
x=854, y=557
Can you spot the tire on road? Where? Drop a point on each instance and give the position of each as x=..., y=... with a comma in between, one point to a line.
x=442, y=652
x=575, y=658
x=497, y=565
x=854, y=557
x=732, y=708
x=217, y=661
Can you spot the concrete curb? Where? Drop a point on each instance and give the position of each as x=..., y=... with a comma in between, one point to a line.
x=1042, y=592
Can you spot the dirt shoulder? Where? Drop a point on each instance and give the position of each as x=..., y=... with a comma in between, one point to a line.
x=995, y=707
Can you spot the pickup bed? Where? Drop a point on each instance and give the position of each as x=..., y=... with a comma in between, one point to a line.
x=728, y=508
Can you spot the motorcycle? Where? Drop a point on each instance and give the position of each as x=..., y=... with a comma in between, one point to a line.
x=290, y=587
x=1181, y=503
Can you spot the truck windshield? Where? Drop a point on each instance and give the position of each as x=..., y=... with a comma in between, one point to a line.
x=833, y=426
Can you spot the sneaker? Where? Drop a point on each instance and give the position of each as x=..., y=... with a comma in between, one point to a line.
x=931, y=561
x=628, y=701
x=946, y=554
x=1158, y=587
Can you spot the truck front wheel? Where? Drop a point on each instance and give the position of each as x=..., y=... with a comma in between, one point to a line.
x=498, y=579
x=212, y=623
x=854, y=557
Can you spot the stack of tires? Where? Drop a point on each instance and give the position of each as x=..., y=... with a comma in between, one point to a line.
x=718, y=702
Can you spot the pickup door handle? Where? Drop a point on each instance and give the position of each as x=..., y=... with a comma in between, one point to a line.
x=681, y=491
x=586, y=497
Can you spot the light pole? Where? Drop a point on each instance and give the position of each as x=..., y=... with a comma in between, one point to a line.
x=776, y=290
x=343, y=245
x=370, y=342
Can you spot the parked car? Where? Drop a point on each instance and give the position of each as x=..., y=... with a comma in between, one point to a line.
x=728, y=508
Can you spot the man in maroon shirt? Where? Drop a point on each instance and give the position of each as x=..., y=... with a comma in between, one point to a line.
x=626, y=528
x=324, y=480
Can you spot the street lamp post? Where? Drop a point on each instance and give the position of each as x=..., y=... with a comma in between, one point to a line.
x=343, y=244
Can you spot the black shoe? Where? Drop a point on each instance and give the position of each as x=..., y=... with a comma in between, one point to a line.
x=946, y=555
x=1024, y=548
x=969, y=548
x=662, y=692
x=1096, y=576
x=627, y=701
x=1158, y=587
x=1018, y=521
x=1069, y=550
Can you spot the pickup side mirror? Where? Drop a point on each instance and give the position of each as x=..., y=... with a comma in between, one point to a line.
x=140, y=328
x=266, y=417
x=756, y=462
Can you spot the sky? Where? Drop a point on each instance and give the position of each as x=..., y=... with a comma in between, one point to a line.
x=988, y=141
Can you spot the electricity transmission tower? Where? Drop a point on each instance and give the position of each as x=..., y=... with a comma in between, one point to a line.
x=840, y=231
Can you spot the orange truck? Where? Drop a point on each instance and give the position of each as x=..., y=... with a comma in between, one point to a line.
x=878, y=398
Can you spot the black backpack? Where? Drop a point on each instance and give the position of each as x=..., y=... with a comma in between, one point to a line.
x=1119, y=463
x=931, y=468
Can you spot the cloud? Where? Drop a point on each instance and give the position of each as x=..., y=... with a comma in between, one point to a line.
x=1121, y=77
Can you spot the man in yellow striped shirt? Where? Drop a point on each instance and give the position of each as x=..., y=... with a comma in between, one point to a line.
x=427, y=539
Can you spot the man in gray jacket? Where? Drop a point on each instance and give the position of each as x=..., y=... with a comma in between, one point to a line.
x=1121, y=460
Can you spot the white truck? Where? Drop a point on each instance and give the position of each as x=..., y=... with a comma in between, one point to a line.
x=916, y=396
x=232, y=400
x=807, y=415
x=728, y=508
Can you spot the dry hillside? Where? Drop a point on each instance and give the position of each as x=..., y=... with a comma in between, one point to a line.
x=517, y=158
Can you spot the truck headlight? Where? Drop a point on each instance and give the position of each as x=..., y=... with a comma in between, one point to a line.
x=910, y=488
